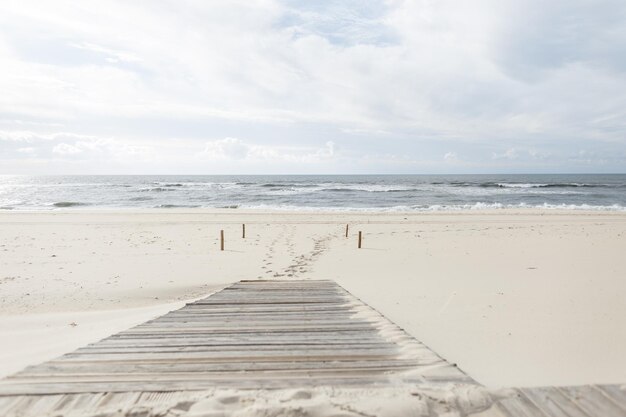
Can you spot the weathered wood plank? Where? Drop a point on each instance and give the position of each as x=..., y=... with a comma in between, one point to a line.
x=268, y=334
x=247, y=327
x=260, y=320
x=354, y=331
x=592, y=401
x=580, y=401
x=73, y=369
x=616, y=393
x=553, y=403
x=236, y=381
x=518, y=405
x=217, y=348
x=231, y=356
x=257, y=334
x=272, y=308
x=226, y=339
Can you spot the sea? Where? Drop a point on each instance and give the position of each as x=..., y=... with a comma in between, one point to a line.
x=316, y=192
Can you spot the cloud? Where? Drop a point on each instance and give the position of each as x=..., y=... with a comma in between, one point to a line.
x=235, y=149
x=227, y=148
x=27, y=150
x=118, y=150
x=66, y=149
x=526, y=155
x=345, y=23
x=112, y=55
x=508, y=154
x=34, y=137
x=565, y=33
x=74, y=146
x=409, y=79
x=451, y=157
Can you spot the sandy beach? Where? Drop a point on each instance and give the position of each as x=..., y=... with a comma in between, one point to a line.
x=515, y=298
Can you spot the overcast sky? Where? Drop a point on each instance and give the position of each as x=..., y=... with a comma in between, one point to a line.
x=210, y=87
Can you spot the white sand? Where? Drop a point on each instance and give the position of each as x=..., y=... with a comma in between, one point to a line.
x=33, y=338
x=514, y=298
x=449, y=401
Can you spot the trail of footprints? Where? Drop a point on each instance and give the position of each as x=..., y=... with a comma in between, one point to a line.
x=300, y=263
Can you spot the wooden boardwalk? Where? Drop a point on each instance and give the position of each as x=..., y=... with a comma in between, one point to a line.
x=253, y=334
x=581, y=401
x=265, y=335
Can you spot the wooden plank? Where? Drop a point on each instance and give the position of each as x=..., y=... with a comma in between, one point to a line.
x=266, y=334
x=264, y=302
x=290, y=338
x=518, y=405
x=189, y=377
x=241, y=326
x=252, y=334
x=73, y=369
x=200, y=347
x=257, y=318
x=296, y=338
x=274, y=308
x=7, y=404
x=615, y=393
x=236, y=356
x=228, y=343
x=261, y=314
x=581, y=401
x=592, y=401
x=553, y=403
x=234, y=381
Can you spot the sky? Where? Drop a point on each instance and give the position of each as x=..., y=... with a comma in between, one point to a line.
x=312, y=87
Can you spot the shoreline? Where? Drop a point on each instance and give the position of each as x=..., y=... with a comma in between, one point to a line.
x=339, y=212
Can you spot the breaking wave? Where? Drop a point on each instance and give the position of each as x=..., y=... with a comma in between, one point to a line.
x=63, y=204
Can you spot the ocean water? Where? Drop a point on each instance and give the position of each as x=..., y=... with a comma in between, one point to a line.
x=310, y=192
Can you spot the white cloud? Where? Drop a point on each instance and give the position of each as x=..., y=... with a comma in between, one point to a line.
x=75, y=145
x=451, y=157
x=31, y=137
x=523, y=155
x=235, y=149
x=508, y=154
x=66, y=149
x=227, y=148
x=113, y=56
x=391, y=77
x=26, y=150
x=330, y=148
x=108, y=148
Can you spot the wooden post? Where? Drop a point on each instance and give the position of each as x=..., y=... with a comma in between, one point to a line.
x=243, y=231
x=346, y=230
x=360, y=237
x=221, y=240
